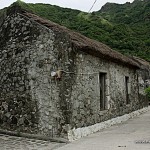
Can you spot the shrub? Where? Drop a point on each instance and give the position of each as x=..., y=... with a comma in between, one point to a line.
x=147, y=91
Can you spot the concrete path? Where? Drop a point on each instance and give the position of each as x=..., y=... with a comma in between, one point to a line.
x=131, y=135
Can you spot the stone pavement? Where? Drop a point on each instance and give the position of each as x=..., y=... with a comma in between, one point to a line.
x=20, y=143
x=133, y=134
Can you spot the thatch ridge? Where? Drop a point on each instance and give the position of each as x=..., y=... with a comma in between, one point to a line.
x=142, y=63
x=85, y=44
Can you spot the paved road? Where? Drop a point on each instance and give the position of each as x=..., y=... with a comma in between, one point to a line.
x=20, y=143
x=120, y=137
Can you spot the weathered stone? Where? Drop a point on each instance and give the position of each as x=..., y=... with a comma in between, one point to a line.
x=20, y=121
x=7, y=114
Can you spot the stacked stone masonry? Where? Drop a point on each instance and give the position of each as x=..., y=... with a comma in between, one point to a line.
x=32, y=101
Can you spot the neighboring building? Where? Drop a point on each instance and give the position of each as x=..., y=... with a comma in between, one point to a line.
x=143, y=77
x=54, y=79
x=144, y=71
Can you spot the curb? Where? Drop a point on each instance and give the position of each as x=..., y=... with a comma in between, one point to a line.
x=78, y=133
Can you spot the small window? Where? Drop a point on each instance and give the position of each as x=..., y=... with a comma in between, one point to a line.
x=127, y=89
x=102, y=84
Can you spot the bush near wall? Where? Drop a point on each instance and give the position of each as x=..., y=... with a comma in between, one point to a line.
x=147, y=91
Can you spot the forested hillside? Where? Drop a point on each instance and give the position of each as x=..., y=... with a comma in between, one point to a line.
x=124, y=27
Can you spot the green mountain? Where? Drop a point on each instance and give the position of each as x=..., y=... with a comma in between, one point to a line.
x=123, y=27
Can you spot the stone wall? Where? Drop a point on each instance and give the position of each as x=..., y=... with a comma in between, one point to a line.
x=85, y=96
x=143, y=78
x=2, y=16
x=30, y=99
x=144, y=82
x=51, y=51
x=17, y=109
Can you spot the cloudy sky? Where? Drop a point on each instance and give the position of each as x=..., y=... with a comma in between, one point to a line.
x=83, y=5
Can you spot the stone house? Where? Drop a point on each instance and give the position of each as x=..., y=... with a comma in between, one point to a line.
x=54, y=80
x=143, y=77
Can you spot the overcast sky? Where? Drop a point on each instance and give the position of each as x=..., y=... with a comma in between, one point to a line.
x=83, y=5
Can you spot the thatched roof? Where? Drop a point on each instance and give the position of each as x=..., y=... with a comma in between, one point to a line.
x=142, y=63
x=85, y=44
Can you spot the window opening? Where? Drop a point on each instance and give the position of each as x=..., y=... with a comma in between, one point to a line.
x=102, y=79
